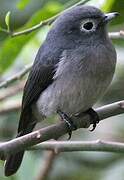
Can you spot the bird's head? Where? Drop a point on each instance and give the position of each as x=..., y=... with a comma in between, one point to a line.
x=82, y=21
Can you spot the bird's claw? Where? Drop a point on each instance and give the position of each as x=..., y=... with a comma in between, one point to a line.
x=70, y=125
x=93, y=117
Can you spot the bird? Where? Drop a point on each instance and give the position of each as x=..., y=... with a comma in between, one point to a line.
x=73, y=68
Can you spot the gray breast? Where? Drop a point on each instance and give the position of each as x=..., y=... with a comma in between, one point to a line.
x=79, y=81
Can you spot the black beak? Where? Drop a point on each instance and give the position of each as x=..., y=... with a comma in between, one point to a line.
x=109, y=16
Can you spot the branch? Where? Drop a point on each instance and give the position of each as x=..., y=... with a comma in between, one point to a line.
x=47, y=167
x=57, y=130
x=113, y=35
x=67, y=146
x=9, y=92
x=41, y=24
x=16, y=77
x=117, y=35
x=14, y=107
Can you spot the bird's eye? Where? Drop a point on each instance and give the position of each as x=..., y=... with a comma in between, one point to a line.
x=88, y=26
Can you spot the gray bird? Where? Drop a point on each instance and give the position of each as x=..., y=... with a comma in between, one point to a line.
x=71, y=71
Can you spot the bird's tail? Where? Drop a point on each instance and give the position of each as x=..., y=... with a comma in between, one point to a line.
x=12, y=163
x=26, y=125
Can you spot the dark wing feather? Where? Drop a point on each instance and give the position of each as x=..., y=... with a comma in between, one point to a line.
x=40, y=77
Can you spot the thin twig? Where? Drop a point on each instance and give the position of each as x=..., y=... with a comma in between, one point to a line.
x=47, y=167
x=57, y=130
x=116, y=35
x=16, y=77
x=14, y=107
x=9, y=92
x=67, y=146
x=43, y=23
x=113, y=35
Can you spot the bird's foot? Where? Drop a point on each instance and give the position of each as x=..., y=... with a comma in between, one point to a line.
x=71, y=126
x=93, y=117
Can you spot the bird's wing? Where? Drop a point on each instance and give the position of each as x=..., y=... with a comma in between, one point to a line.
x=40, y=77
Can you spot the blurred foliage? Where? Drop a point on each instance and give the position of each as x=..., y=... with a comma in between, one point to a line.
x=11, y=47
x=16, y=52
x=118, y=6
x=22, y=4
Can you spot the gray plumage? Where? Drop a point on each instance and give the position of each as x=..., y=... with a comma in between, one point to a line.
x=80, y=79
x=84, y=69
x=72, y=69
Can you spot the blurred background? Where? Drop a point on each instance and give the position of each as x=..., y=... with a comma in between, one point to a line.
x=16, y=53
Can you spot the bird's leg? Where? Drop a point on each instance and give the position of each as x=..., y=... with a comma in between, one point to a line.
x=71, y=126
x=93, y=117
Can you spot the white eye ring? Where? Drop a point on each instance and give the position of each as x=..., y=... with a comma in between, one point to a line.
x=88, y=25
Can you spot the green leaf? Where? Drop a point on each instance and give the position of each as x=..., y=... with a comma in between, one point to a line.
x=22, y=4
x=11, y=47
x=108, y=5
x=7, y=20
x=118, y=6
